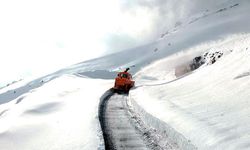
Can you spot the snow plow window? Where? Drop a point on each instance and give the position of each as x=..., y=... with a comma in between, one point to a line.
x=124, y=75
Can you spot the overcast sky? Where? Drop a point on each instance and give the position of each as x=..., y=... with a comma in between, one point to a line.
x=41, y=36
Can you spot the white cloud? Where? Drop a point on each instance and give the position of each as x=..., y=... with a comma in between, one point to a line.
x=41, y=36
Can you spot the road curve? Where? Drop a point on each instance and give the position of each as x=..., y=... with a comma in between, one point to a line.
x=122, y=129
x=109, y=145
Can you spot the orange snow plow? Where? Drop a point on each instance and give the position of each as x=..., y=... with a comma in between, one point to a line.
x=123, y=82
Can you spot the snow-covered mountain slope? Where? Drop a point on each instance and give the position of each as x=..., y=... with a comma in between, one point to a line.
x=214, y=25
x=207, y=107
x=210, y=106
x=61, y=114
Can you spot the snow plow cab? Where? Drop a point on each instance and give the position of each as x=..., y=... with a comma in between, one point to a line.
x=123, y=82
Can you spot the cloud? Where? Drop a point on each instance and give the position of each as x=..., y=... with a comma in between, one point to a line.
x=52, y=34
x=156, y=16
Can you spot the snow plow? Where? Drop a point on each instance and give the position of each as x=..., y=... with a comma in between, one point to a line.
x=123, y=82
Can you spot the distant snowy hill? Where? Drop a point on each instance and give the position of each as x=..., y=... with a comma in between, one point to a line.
x=192, y=82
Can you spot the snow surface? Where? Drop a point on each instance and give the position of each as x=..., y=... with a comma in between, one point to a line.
x=210, y=107
x=207, y=108
x=61, y=114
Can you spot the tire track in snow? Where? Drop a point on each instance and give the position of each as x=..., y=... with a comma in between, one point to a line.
x=123, y=129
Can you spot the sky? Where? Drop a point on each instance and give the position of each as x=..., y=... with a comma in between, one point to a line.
x=38, y=37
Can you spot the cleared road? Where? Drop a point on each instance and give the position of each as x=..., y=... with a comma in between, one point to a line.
x=122, y=129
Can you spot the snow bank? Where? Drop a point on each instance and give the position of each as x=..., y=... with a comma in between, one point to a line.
x=61, y=114
x=210, y=107
x=167, y=132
